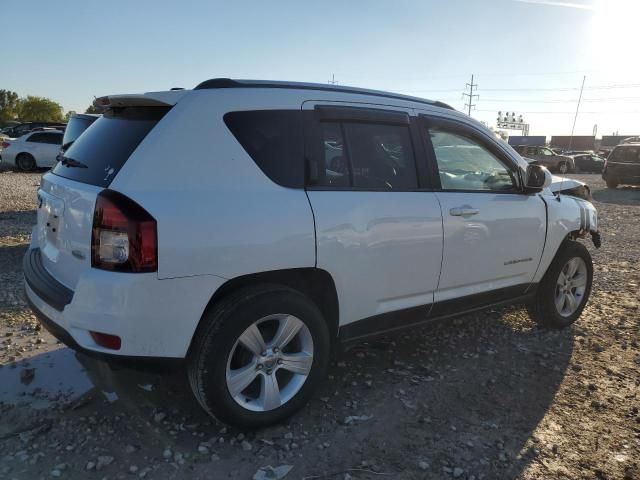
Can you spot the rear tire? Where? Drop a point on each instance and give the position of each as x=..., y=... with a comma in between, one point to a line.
x=562, y=285
x=26, y=162
x=245, y=369
x=612, y=183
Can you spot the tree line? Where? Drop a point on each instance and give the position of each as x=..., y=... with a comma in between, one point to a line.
x=14, y=108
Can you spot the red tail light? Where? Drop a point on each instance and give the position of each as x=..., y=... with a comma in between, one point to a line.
x=5, y=144
x=105, y=340
x=123, y=237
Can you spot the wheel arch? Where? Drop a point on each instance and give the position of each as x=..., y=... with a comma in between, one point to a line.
x=568, y=218
x=315, y=283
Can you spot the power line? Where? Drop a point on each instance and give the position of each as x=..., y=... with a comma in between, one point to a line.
x=459, y=75
x=635, y=112
x=551, y=89
x=470, y=95
x=564, y=89
x=514, y=100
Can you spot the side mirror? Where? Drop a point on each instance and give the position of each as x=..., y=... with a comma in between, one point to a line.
x=538, y=178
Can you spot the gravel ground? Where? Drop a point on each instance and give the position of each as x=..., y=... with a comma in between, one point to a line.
x=486, y=396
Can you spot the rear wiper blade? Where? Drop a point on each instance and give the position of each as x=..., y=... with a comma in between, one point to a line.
x=70, y=162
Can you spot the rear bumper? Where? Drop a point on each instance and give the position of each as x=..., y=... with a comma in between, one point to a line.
x=42, y=283
x=628, y=176
x=155, y=319
x=144, y=363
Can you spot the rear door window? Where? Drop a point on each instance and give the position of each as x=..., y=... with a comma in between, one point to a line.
x=336, y=166
x=52, y=138
x=104, y=148
x=37, y=138
x=365, y=156
x=381, y=156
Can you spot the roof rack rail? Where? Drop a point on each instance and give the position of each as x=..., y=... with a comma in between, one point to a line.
x=231, y=83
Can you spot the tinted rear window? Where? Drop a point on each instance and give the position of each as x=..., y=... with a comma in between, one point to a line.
x=273, y=139
x=106, y=146
x=75, y=127
x=626, y=155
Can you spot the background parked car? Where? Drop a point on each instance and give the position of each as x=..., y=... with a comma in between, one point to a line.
x=23, y=128
x=589, y=163
x=33, y=150
x=623, y=165
x=578, y=152
x=547, y=158
x=78, y=123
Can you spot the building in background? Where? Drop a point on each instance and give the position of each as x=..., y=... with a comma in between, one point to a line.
x=577, y=142
x=527, y=140
x=610, y=141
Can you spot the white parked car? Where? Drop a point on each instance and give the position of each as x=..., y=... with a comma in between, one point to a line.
x=299, y=216
x=36, y=149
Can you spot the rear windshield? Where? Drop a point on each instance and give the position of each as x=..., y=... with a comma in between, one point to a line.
x=626, y=155
x=106, y=146
x=74, y=129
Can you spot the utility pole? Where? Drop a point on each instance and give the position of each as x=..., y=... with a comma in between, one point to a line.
x=577, y=109
x=333, y=80
x=470, y=95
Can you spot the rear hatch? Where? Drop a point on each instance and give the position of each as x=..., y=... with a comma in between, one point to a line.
x=67, y=195
x=624, y=162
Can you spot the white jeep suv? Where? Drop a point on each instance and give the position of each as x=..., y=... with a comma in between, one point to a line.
x=243, y=228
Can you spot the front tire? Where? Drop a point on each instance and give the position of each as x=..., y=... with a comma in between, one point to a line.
x=613, y=184
x=565, y=288
x=26, y=162
x=259, y=356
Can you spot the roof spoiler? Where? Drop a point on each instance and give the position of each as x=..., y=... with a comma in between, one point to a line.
x=151, y=99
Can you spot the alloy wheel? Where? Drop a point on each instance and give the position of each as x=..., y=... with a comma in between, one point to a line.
x=270, y=362
x=571, y=286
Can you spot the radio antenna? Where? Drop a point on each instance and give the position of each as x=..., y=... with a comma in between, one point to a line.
x=573, y=128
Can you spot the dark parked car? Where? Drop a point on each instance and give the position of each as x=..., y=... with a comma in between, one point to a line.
x=546, y=157
x=578, y=152
x=588, y=163
x=623, y=165
x=24, y=128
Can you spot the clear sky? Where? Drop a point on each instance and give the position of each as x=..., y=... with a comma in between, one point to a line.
x=527, y=55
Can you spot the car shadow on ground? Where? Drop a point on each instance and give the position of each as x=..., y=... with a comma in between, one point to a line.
x=11, y=257
x=624, y=195
x=462, y=394
x=17, y=223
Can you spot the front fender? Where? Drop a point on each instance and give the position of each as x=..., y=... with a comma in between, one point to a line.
x=567, y=217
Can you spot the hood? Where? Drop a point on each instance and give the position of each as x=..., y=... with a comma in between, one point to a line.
x=570, y=186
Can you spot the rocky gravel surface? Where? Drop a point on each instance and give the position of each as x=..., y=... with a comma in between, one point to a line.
x=488, y=396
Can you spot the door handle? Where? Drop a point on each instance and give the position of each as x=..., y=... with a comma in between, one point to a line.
x=463, y=211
